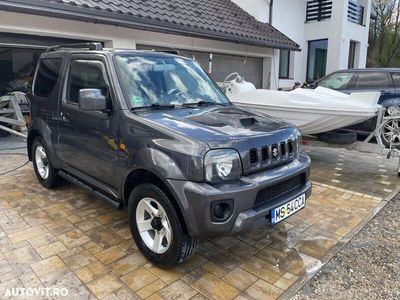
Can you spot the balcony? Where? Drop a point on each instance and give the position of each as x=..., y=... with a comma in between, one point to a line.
x=355, y=12
x=318, y=10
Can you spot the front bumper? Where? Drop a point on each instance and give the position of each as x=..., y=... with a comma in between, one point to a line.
x=195, y=199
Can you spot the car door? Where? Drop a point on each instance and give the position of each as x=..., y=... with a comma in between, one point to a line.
x=374, y=81
x=87, y=139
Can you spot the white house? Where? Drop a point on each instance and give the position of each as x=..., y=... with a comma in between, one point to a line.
x=332, y=34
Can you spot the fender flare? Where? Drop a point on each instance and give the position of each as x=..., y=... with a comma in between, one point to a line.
x=40, y=128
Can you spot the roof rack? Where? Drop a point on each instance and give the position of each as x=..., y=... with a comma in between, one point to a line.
x=89, y=46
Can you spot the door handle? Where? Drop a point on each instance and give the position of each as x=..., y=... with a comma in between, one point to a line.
x=64, y=116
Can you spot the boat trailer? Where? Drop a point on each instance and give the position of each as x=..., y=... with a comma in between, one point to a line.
x=11, y=116
x=366, y=146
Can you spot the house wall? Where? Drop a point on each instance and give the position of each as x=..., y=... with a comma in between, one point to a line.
x=289, y=17
x=119, y=37
x=257, y=8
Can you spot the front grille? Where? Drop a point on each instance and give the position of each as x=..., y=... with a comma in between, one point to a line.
x=253, y=156
x=277, y=190
x=273, y=155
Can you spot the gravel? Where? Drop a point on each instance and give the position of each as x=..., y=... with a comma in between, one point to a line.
x=368, y=267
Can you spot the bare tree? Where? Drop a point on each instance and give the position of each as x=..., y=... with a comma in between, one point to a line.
x=384, y=42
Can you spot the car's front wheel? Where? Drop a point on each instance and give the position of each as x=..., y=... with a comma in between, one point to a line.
x=157, y=228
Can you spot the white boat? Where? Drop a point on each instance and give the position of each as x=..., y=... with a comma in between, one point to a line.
x=312, y=111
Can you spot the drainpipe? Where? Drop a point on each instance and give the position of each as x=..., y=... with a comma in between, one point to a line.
x=271, y=3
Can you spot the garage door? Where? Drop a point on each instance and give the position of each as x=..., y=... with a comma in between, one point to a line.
x=19, y=55
x=251, y=68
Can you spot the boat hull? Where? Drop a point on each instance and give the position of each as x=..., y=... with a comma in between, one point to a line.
x=312, y=111
x=310, y=123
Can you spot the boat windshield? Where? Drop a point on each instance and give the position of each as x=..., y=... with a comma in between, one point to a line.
x=152, y=81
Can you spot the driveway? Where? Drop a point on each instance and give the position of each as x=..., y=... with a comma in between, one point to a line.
x=67, y=238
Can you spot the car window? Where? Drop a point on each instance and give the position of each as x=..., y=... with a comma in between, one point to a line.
x=373, y=80
x=396, y=79
x=85, y=75
x=47, y=76
x=337, y=81
x=154, y=80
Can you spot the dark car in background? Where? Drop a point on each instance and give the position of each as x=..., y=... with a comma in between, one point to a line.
x=384, y=80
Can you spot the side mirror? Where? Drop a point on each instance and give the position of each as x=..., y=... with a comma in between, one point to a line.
x=312, y=85
x=92, y=100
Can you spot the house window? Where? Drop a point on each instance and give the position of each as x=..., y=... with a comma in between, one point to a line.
x=352, y=54
x=317, y=57
x=284, y=64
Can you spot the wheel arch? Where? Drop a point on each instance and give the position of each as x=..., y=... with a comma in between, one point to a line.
x=139, y=176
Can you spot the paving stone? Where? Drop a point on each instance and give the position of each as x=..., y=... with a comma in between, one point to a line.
x=25, y=255
x=111, y=254
x=73, y=238
x=48, y=265
x=104, y=285
x=151, y=289
x=263, y=290
x=177, y=291
x=239, y=278
x=139, y=278
x=262, y=269
x=79, y=260
x=166, y=275
x=215, y=288
x=127, y=263
x=51, y=249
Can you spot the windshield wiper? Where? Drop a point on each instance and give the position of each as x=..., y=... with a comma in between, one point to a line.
x=154, y=106
x=201, y=103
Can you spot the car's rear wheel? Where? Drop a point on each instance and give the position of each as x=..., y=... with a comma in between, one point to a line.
x=157, y=228
x=44, y=170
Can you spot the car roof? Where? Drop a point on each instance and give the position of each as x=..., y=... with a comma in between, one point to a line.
x=63, y=52
x=370, y=70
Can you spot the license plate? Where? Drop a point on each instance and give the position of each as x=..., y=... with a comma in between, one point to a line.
x=282, y=212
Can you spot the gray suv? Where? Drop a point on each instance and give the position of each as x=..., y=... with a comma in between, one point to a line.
x=151, y=131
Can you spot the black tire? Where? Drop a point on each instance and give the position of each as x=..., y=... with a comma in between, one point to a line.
x=52, y=179
x=182, y=246
x=338, y=136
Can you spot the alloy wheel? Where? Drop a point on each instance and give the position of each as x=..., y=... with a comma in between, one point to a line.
x=153, y=225
x=391, y=130
x=42, y=162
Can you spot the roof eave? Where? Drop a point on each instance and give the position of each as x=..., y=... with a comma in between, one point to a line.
x=53, y=9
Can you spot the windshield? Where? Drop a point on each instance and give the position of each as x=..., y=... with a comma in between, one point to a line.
x=165, y=81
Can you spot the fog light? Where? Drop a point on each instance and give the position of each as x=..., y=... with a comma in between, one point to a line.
x=221, y=210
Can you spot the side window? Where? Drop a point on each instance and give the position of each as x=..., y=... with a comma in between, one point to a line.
x=396, y=79
x=47, y=76
x=373, y=80
x=337, y=81
x=85, y=74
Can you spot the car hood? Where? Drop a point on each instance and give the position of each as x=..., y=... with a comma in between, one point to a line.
x=217, y=124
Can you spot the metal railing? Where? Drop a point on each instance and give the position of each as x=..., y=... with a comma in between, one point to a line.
x=355, y=12
x=318, y=10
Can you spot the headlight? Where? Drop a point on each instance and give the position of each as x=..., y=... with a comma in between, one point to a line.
x=299, y=141
x=222, y=165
